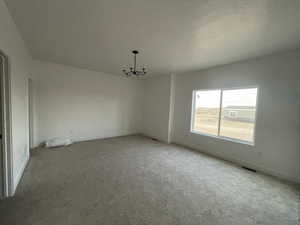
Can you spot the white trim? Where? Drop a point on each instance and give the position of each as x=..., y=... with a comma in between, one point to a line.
x=171, y=107
x=192, y=112
x=82, y=139
x=256, y=107
x=260, y=168
x=224, y=138
x=220, y=112
x=19, y=175
x=30, y=112
x=6, y=140
x=192, y=128
x=3, y=176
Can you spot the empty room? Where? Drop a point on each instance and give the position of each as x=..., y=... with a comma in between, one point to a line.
x=135, y=112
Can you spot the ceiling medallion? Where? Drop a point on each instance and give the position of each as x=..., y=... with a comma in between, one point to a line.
x=133, y=70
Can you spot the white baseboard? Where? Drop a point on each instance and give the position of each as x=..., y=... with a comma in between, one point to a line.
x=157, y=138
x=261, y=169
x=104, y=137
x=82, y=139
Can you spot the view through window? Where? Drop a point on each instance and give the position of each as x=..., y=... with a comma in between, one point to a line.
x=226, y=113
x=207, y=105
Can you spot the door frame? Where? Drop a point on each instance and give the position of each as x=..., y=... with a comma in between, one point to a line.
x=6, y=127
x=30, y=88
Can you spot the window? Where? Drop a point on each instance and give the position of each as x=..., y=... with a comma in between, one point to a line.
x=207, y=111
x=225, y=113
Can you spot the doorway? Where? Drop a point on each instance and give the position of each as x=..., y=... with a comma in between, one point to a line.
x=6, y=183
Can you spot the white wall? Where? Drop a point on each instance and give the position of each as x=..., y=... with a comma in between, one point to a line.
x=12, y=45
x=277, y=147
x=83, y=104
x=156, y=104
x=87, y=105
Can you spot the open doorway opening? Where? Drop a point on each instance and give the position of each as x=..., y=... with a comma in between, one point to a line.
x=6, y=183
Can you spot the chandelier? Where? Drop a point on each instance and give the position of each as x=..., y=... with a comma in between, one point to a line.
x=133, y=71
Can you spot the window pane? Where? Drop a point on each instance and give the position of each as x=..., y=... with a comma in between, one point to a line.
x=206, y=114
x=238, y=114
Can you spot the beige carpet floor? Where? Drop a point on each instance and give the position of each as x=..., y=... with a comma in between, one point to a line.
x=135, y=180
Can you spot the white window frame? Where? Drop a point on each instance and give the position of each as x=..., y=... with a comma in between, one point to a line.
x=192, y=129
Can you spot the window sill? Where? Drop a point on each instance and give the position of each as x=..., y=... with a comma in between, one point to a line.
x=224, y=138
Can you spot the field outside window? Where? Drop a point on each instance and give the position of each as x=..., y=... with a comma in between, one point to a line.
x=226, y=113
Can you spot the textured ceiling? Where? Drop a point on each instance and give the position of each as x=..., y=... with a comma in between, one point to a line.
x=173, y=36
